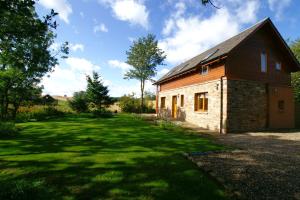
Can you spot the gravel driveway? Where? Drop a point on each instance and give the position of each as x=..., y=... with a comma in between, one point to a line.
x=263, y=166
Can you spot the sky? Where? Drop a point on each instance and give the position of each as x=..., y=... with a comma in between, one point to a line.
x=101, y=31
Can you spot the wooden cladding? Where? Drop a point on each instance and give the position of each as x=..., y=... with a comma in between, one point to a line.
x=201, y=102
x=260, y=58
x=214, y=72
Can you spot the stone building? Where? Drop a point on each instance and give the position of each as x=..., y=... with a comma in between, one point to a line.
x=242, y=84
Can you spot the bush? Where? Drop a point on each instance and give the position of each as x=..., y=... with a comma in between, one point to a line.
x=39, y=114
x=149, y=109
x=79, y=102
x=7, y=128
x=129, y=104
x=102, y=113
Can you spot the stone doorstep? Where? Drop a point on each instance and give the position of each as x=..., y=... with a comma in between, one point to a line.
x=235, y=194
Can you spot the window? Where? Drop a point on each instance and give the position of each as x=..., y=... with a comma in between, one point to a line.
x=281, y=105
x=204, y=70
x=263, y=62
x=163, y=102
x=201, y=102
x=182, y=100
x=278, y=66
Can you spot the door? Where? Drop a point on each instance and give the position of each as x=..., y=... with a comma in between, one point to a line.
x=174, y=106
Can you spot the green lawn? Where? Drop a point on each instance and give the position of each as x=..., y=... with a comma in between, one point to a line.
x=112, y=158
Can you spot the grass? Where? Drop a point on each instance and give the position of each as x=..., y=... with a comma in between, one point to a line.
x=77, y=157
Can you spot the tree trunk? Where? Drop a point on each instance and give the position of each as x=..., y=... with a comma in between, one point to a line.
x=142, y=95
x=14, y=114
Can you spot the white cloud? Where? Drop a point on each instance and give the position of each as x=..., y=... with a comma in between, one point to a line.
x=55, y=46
x=117, y=90
x=63, y=7
x=70, y=78
x=247, y=12
x=81, y=65
x=162, y=72
x=194, y=35
x=133, y=11
x=186, y=34
x=81, y=14
x=75, y=47
x=278, y=7
x=118, y=64
x=101, y=27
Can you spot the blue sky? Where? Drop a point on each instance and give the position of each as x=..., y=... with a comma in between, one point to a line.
x=100, y=32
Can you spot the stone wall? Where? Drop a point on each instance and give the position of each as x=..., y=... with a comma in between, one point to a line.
x=208, y=120
x=247, y=106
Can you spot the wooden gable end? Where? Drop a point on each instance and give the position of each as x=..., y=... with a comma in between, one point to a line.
x=244, y=62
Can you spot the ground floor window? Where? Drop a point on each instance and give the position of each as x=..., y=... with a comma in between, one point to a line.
x=201, y=102
x=281, y=105
x=163, y=102
x=182, y=100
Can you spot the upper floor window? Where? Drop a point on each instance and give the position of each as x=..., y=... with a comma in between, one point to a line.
x=163, y=102
x=278, y=66
x=201, y=102
x=263, y=61
x=204, y=70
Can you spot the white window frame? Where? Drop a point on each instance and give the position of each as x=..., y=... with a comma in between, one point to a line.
x=263, y=62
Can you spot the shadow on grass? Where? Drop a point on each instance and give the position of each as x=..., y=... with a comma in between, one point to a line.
x=113, y=158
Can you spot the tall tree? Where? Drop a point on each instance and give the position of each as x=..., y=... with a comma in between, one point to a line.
x=295, y=47
x=25, y=53
x=144, y=56
x=97, y=93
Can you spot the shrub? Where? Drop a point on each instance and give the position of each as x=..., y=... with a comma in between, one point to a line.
x=102, y=113
x=79, y=102
x=129, y=104
x=149, y=109
x=39, y=114
x=7, y=129
x=167, y=125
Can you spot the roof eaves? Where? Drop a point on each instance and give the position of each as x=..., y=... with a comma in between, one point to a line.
x=221, y=57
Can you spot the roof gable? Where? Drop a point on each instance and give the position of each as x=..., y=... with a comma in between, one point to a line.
x=222, y=50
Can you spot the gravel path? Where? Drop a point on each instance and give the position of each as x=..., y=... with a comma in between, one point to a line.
x=264, y=166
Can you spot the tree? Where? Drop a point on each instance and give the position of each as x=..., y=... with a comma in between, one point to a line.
x=129, y=104
x=144, y=56
x=205, y=2
x=150, y=96
x=79, y=102
x=295, y=47
x=97, y=93
x=25, y=53
x=22, y=91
